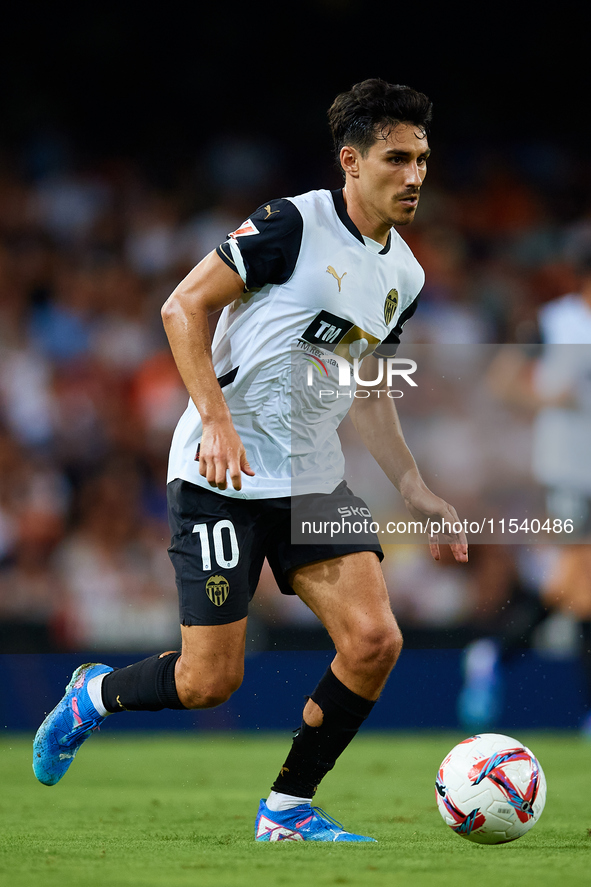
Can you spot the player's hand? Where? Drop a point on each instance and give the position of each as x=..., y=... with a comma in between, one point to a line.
x=426, y=507
x=221, y=452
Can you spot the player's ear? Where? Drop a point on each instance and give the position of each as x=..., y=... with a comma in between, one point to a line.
x=349, y=158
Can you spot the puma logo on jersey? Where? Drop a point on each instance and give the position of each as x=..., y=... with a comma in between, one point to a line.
x=270, y=212
x=338, y=279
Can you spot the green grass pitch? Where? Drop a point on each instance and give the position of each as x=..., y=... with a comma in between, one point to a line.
x=166, y=811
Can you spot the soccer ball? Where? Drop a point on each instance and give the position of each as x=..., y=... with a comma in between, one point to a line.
x=490, y=789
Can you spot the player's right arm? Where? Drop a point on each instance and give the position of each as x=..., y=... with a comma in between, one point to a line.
x=209, y=287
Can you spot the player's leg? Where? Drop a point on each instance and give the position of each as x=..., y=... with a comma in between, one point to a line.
x=217, y=563
x=204, y=674
x=211, y=666
x=349, y=596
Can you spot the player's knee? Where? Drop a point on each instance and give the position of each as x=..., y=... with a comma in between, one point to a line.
x=211, y=697
x=397, y=642
x=375, y=648
x=383, y=644
x=197, y=692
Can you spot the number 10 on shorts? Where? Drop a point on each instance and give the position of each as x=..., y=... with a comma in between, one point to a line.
x=218, y=544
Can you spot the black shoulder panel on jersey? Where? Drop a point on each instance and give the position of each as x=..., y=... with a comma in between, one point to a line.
x=269, y=243
x=388, y=347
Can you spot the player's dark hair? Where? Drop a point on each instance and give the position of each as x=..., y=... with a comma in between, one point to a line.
x=369, y=111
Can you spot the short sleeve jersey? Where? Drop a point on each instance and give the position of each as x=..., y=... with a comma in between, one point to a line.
x=317, y=296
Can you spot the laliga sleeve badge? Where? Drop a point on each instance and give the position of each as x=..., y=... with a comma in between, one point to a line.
x=246, y=229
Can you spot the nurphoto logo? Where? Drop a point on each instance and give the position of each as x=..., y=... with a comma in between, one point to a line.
x=389, y=368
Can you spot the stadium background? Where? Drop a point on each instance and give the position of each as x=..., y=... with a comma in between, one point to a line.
x=132, y=141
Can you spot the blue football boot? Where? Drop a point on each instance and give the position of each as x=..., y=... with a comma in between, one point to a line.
x=66, y=727
x=301, y=823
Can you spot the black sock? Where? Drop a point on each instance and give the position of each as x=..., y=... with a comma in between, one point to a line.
x=315, y=749
x=148, y=685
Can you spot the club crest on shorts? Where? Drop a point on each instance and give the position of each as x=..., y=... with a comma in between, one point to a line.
x=390, y=305
x=218, y=589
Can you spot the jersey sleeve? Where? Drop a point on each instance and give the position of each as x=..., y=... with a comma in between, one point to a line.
x=389, y=346
x=265, y=248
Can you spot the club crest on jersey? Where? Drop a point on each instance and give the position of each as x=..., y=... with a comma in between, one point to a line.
x=218, y=589
x=390, y=305
x=245, y=229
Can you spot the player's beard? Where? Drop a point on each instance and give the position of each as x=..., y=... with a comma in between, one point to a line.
x=405, y=215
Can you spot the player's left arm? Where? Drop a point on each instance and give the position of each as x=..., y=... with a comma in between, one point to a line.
x=376, y=420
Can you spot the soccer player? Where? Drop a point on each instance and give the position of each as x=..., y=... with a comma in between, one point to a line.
x=322, y=274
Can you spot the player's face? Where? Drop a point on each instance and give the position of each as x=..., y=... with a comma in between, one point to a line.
x=392, y=172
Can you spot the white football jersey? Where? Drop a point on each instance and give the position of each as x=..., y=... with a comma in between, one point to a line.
x=316, y=291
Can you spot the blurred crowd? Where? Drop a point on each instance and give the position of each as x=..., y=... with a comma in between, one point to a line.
x=89, y=393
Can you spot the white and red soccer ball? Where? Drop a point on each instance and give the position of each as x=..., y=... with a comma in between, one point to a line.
x=490, y=789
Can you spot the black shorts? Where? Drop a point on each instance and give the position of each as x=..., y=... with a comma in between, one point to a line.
x=219, y=544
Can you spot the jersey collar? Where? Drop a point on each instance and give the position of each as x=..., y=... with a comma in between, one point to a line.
x=341, y=211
